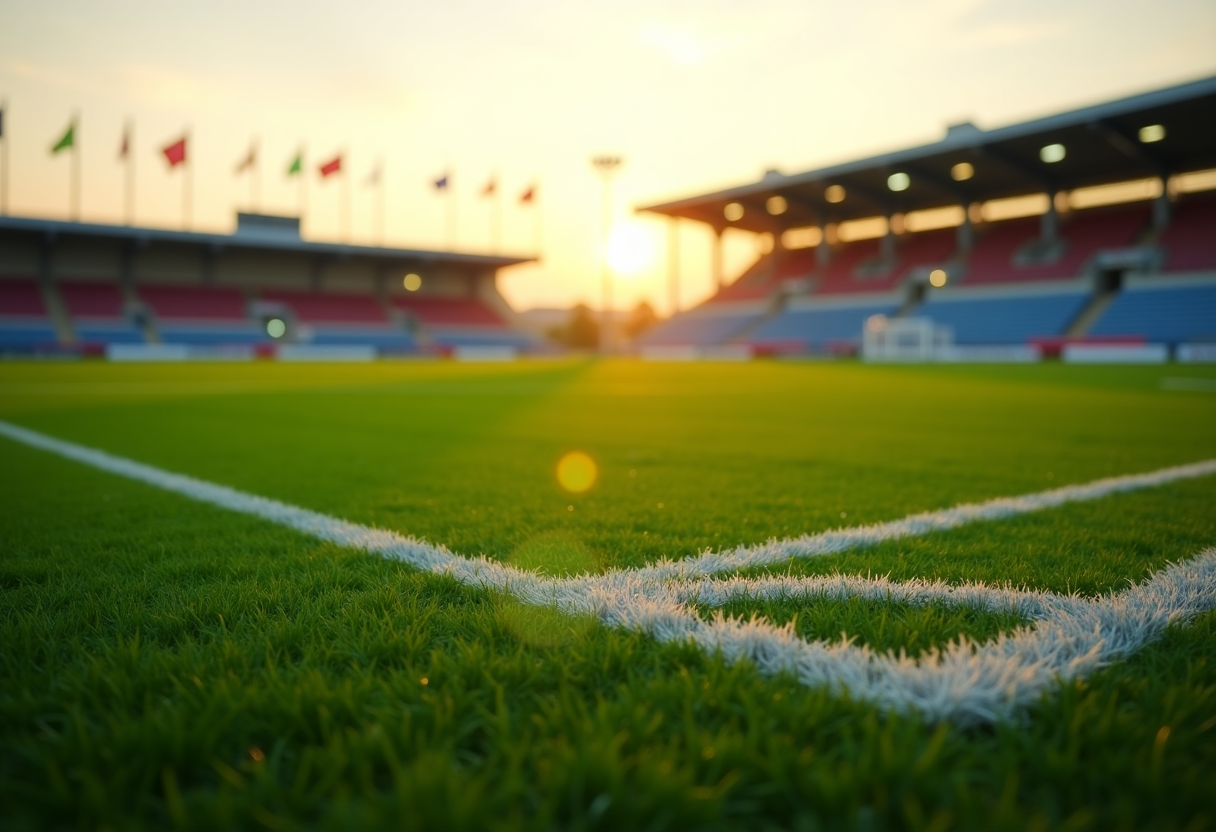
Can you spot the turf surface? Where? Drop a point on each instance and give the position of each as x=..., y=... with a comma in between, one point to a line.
x=168, y=664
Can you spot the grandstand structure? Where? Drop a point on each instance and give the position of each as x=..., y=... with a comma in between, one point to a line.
x=1095, y=225
x=80, y=288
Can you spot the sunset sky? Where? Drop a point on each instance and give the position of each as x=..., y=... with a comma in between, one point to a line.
x=693, y=94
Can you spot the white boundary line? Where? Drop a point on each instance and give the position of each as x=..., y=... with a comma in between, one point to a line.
x=965, y=682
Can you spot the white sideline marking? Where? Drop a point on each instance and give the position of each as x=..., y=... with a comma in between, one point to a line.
x=965, y=682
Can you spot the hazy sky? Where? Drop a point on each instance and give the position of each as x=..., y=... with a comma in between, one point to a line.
x=694, y=94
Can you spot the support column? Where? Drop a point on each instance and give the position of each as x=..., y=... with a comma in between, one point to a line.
x=126, y=270
x=1162, y=207
x=966, y=232
x=823, y=251
x=886, y=246
x=1050, y=223
x=673, y=265
x=717, y=258
x=777, y=255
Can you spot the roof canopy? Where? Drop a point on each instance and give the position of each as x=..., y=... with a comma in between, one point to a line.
x=1101, y=145
x=256, y=238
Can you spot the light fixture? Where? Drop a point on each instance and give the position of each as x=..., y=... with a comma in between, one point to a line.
x=776, y=205
x=962, y=171
x=412, y=282
x=938, y=277
x=1052, y=153
x=1152, y=133
x=899, y=181
x=834, y=193
x=733, y=211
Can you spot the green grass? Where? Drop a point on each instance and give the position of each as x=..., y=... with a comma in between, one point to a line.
x=170, y=665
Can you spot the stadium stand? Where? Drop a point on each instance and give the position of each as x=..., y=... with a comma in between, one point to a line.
x=820, y=326
x=996, y=256
x=847, y=271
x=705, y=326
x=25, y=325
x=97, y=313
x=455, y=322
x=1190, y=238
x=200, y=315
x=924, y=251
x=341, y=319
x=1163, y=311
x=1004, y=317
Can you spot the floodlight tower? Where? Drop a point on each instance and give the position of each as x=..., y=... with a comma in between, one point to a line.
x=607, y=166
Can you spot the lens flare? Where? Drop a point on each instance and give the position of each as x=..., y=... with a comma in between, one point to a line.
x=577, y=472
x=629, y=250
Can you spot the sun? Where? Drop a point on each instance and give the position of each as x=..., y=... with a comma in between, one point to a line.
x=629, y=250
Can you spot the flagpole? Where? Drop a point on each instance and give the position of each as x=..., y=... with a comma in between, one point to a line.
x=380, y=202
x=256, y=185
x=496, y=220
x=345, y=202
x=129, y=196
x=537, y=224
x=75, y=185
x=450, y=193
x=3, y=158
x=187, y=181
x=303, y=174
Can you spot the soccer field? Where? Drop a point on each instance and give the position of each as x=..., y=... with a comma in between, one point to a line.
x=173, y=663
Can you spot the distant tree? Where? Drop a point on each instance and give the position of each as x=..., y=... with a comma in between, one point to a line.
x=581, y=331
x=642, y=318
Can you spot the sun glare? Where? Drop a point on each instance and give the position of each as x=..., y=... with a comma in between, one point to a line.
x=577, y=472
x=629, y=250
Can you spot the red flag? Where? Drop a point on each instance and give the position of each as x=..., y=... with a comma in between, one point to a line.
x=251, y=159
x=490, y=188
x=331, y=167
x=528, y=194
x=176, y=152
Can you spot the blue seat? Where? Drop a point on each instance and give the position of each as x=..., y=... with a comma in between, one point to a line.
x=26, y=335
x=1167, y=314
x=819, y=327
x=1005, y=320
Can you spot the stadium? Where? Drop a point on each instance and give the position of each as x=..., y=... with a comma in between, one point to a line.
x=1079, y=228
x=907, y=525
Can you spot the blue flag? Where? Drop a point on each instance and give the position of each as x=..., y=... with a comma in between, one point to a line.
x=442, y=182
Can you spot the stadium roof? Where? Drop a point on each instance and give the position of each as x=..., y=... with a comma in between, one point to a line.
x=254, y=232
x=1102, y=144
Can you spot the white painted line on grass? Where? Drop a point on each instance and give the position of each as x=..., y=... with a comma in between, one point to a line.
x=965, y=682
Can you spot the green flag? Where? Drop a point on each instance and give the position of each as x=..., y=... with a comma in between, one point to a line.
x=297, y=165
x=68, y=140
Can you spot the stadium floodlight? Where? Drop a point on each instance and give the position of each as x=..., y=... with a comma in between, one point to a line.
x=899, y=181
x=776, y=205
x=607, y=166
x=962, y=171
x=834, y=193
x=412, y=282
x=1150, y=133
x=937, y=278
x=733, y=211
x=1052, y=153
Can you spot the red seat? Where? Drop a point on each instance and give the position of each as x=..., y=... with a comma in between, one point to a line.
x=194, y=303
x=92, y=300
x=1190, y=238
x=21, y=298
x=839, y=276
x=320, y=308
x=435, y=311
x=1085, y=232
